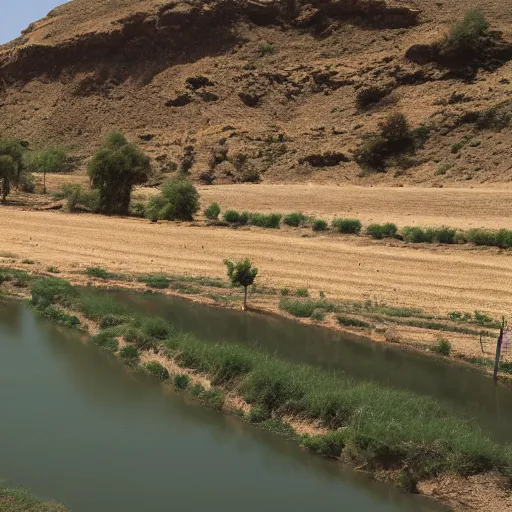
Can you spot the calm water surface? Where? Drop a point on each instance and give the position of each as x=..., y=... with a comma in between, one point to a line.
x=76, y=426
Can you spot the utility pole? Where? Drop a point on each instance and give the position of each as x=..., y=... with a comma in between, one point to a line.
x=498, y=350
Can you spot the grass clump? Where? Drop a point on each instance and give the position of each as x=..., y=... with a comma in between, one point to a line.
x=130, y=355
x=301, y=292
x=19, y=500
x=352, y=322
x=319, y=225
x=442, y=346
x=99, y=273
x=380, y=231
x=181, y=381
x=51, y=290
x=294, y=219
x=60, y=317
x=138, y=337
x=267, y=49
x=155, y=369
x=258, y=414
x=96, y=305
x=111, y=320
x=212, y=212
x=347, y=226
x=158, y=281
x=106, y=341
x=19, y=278
x=155, y=327
x=305, y=308
x=318, y=315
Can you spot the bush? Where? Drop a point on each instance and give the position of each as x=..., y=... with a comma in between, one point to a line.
x=318, y=315
x=380, y=231
x=11, y=164
x=53, y=270
x=294, y=219
x=302, y=292
x=155, y=328
x=267, y=49
x=138, y=337
x=501, y=238
x=367, y=96
x=442, y=346
x=58, y=316
x=130, y=354
x=347, y=226
x=98, y=272
x=258, y=414
x=272, y=220
x=441, y=235
x=155, y=369
x=232, y=216
x=181, y=381
x=496, y=118
x=352, y=322
x=212, y=212
x=106, y=341
x=179, y=200
x=395, y=139
x=213, y=398
x=114, y=170
x=111, y=320
x=468, y=37
x=51, y=290
x=319, y=225
x=157, y=281
x=305, y=308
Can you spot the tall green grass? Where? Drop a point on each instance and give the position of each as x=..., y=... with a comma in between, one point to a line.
x=304, y=308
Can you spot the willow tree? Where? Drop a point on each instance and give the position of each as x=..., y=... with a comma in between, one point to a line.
x=114, y=170
x=241, y=273
x=11, y=165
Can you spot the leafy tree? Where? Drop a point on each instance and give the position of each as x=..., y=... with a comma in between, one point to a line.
x=241, y=273
x=114, y=170
x=11, y=164
x=47, y=160
x=179, y=200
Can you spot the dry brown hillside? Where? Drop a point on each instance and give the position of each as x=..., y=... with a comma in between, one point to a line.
x=277, y=79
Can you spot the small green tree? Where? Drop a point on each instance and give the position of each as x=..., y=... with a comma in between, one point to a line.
x=241, y=273
x=7, y=174
x=11, y=165
x=47, y=160
x=179, y=200
x=114, y=170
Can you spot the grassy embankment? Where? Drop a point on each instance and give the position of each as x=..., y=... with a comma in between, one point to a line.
x=410, y=437
x=18, y=500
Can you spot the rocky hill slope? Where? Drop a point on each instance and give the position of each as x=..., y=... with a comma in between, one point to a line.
x=277, y=90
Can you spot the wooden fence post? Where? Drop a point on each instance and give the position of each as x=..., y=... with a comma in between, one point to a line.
x=498, y=350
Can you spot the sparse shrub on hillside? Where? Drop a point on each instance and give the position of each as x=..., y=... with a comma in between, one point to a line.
x=496, y=118
x=468, y=37
x=395, y=139
x=370, y=95
x=179, y=200
x=114, y=170
x=267, y=49
x=212, y=212
x=380, y=231
x=347, y=226
x=319, y=225
x=188, y=160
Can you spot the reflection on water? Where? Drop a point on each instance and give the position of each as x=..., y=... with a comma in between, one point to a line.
x=462, y=387
x=78, y=427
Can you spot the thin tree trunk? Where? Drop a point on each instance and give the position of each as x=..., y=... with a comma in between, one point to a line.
x=244, y=308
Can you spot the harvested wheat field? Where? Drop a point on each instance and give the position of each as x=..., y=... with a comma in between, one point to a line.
x=435, y=278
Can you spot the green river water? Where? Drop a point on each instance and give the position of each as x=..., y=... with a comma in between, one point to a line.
x=78, y=427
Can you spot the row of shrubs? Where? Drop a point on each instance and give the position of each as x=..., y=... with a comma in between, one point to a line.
x=443, y=235
x=362, y=416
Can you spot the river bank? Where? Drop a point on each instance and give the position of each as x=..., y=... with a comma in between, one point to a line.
x=471, y=338
x=397, y=436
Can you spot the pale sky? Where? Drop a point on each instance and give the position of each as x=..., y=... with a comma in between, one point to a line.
x=18, y=14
